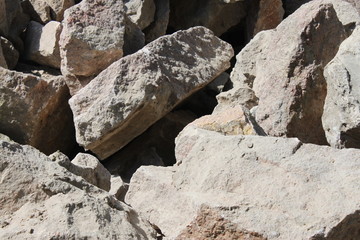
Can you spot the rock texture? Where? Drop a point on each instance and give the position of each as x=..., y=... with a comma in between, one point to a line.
x=161, y=20
x=11, y=55
x=141, y=12
x=42, y=43
x=42, y=200
x=291, y=89
x=51, y=9
x=90, y=42
x=3, y=63
x=277, y=187
x=34, y=111
x=136, y=91
x=341, y=118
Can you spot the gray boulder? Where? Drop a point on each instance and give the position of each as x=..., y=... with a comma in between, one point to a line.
x=141, y=12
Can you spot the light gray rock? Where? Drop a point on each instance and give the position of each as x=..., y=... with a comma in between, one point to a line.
x=291, y=89
x=90, y=42
x=141, y=12
x=161, y=20
x=42, y=200
x=139, y=89
x=118, y=187
x=341, y=117
x=34, y=110
x=11, y=55
x=277, y=187
x=42, y=43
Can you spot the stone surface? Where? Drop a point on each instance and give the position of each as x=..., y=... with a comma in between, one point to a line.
x=51, y=9
x=118, y=187
x=11, y=55
x=42, y=200
x=341, y=118
x=161, y=20
x=141, y=12
x=136, y=91
x=90, y=42
x=291, y=89
x=3, y=63
x=34, y=111
x=134, y=38
x=277, y=187
x=89, y=167
x=42, y=43
x=219, y=16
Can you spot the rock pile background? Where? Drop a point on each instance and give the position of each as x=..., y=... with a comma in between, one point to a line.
x=179, y=119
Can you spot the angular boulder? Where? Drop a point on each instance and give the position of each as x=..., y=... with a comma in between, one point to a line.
x=141, y=12
x=49, y=10
x=139, y=89
x=35, y=111
x=42, y=43
x=284, y=69
x=276, y=187
x=89, y=42
x=42, y=200
x=341, y=117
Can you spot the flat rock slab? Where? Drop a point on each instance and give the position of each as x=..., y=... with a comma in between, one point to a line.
x=277, y=187
x=139, y=89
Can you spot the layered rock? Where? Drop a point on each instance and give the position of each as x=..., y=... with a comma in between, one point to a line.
x=277, y=187
x=42, y=43
x=291, y=89
x=341, y=118
x=90, y=42
x=139, y=89
x=42, y=200
x=34, y=111
x=141, y=12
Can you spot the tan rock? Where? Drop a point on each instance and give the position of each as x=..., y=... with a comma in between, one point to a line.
x=139, y=89
x=49, y=10
x=11, y=55
x=42, y=43
x=141, y=12
x=118, y=187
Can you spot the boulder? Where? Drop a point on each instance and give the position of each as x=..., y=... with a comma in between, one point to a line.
x=42, y=200
x=118, y=187
x=219, y=16
x=141, y=12
x=51, y=10
x=134, y=38
x=355, y=3
x=34, y=110
x=291, y=89
x=341, y=117
x=11, y=55
x=137, y=90
x=277, y=187
x=90, y=42
x=3, y=63
x=161, y=20
x=42, y=43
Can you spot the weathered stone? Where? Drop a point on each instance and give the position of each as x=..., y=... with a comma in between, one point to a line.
x=42, y=200
x=139, y=89
x=219, y=16
x=42, y=43
x=341, y=118
x=92, y=170
x=34, y=111
x=277, y=187
x=90, y=42
x=161, y=20
x=355, y=3
x=118, y=187
x=11, y=55
x=51, y=9
x=291, y=89
x=141, y=12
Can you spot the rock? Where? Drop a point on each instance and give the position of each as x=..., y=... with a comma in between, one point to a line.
x=291, y=89
x=10, y=53
x=89, y=167
x=141, y=12
x=161, y=20
x=355, y=3
x=277, y=187
x=34, y=111
x=219, y=16
x=49, y=10
x=42, y=43
x=90, y=42
x=134, y=38
x=342, y=109
x=42, y=8
x=118, y=188
x=3, y=63
x=42, y=200
x=139, y=89
x=149, y=150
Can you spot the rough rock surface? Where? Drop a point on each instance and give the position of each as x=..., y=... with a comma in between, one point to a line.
x=118, y=187
x=139, y=89
x=219, y=16
x=277, y=187
x=11, y=55
x=161, y=20
x=291, y=89
x=51, y=9
x=341, y=118
x=3, y=63
x=42, y=200
x=34, y=111
x=90, y=42
x=42, y=43
x=141, y=12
